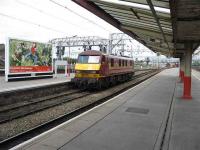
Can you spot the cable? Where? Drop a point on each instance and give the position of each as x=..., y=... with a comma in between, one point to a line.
x=51, y=15
x=79, y=15
x=29, y=22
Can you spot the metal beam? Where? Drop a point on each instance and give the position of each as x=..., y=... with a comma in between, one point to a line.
x=157, y=20
x=131, y=18
x=144, y=25
x=156, y=3
x=173, y=7
x=105, y=16
x=125, y=8
x=79, y=41
x=97, y=11
x=158, y=47
x=117, y=15
x=98, y=8
x=155, y=34
x=135, y=13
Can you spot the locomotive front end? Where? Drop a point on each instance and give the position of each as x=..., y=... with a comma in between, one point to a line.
x=87, y=70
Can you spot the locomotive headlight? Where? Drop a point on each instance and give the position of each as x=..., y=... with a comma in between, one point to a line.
x=78, y=71
x=93, y=72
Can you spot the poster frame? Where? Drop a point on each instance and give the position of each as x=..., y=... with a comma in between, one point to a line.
x=7, y=61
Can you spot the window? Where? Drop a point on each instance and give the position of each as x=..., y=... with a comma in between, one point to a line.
x=93, y=59
x=88, y=59
x=112, y=62
x=120, y=62
x=126, y=62
x=131, y=62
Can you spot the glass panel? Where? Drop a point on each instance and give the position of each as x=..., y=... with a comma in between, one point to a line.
x=88, y=59
x=112, y=62
x=83, y=59
x=93, y=59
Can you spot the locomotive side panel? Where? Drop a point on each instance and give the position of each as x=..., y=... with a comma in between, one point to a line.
x=120, y=66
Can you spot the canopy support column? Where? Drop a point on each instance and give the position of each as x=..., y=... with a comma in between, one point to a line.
x=187, y=73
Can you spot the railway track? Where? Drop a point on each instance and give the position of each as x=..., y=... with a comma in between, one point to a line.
x=197, y=68
x=30, y=107
x=24, y=108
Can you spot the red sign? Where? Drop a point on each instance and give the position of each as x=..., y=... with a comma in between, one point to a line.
x=21, y=69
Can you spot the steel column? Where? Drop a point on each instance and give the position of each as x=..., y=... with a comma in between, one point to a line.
x=187, y=73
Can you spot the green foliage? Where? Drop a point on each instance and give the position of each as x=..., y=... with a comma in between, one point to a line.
x=20, y=53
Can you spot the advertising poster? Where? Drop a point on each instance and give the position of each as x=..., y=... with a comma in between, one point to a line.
x=2, y=56
x=29, y=57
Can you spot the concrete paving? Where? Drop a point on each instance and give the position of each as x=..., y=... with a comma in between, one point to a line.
x=184, y=130
x=132, y=130
x=134, y=120
x=15, y=85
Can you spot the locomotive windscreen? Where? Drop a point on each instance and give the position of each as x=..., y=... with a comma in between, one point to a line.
x=88, y=59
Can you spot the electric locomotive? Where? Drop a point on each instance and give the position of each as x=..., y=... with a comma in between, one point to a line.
x=97, y=70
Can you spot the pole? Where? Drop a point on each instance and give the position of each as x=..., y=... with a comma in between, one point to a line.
x=158, y=60
x=182, y=65
x=187, y=73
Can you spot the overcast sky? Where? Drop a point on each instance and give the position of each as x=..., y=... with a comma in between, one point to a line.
x=42, y=20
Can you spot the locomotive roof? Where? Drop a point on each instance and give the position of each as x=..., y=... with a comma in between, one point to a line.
x=121, y=57
x=91, y=52
x=99, y=53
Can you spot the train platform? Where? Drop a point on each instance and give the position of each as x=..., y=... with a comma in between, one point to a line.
x=150, y=115
x=27, y=84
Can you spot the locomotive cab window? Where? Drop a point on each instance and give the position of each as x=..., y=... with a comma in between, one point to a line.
x=88, y=59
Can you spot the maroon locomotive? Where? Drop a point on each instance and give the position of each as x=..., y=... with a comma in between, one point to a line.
x=98, y=70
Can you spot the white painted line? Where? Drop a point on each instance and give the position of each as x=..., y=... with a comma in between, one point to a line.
x=63, y=124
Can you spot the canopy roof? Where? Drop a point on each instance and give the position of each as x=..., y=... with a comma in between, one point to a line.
x=160, y=25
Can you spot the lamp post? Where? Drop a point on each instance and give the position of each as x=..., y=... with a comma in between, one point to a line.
x=158, y=65
x=70, y=45
x=69, y=62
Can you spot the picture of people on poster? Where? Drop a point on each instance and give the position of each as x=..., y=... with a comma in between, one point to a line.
x=27, y=56
x=32, y=55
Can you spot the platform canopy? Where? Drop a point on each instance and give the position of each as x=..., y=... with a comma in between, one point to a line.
x=161, y=25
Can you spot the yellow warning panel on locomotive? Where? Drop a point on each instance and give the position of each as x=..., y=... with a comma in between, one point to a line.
x=87, y=66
